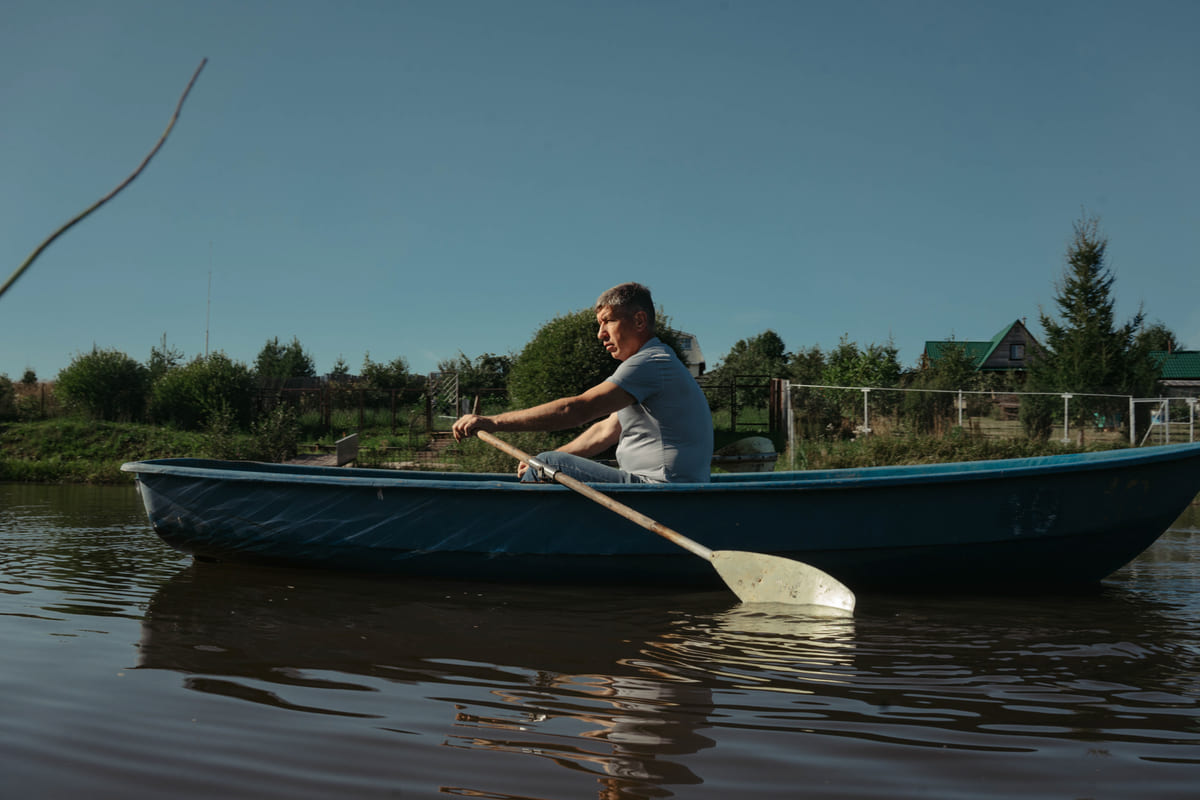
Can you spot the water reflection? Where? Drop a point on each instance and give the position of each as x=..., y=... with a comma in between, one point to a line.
x=615, y=686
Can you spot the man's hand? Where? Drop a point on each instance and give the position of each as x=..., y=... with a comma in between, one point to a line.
x=468, y=424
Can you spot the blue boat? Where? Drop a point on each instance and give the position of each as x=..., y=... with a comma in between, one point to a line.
x=1022, y=524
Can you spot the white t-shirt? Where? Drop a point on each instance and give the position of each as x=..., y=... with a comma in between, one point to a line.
x=667, y=433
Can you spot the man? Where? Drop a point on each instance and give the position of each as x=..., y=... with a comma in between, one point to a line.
x=651, y=408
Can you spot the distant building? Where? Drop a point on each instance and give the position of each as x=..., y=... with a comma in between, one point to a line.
x=1008, y=351
x=689, y=346
x=1179, y=372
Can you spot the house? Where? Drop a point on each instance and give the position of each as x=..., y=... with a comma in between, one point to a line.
x=1007, y=351
x=1179, y=372
x=693, y=358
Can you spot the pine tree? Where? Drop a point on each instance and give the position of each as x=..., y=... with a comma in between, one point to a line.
x=1084, y=350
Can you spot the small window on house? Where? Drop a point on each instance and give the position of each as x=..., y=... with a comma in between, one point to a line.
x=1016, y=352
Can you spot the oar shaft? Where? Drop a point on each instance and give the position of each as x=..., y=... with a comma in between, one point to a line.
x=599, y=497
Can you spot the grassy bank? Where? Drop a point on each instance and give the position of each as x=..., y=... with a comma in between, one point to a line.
x=69, y=450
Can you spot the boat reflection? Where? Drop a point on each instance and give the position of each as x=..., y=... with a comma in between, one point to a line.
x=617, y=686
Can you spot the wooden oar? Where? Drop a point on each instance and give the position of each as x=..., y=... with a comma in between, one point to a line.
x=753, y=577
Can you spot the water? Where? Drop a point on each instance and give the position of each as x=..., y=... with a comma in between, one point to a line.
x=128, y=672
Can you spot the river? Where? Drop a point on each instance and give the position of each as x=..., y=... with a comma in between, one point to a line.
x=129, y=672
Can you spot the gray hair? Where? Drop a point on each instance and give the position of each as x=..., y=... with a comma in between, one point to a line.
x=628, y=298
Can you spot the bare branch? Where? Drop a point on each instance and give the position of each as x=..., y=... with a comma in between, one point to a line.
x=161, y=141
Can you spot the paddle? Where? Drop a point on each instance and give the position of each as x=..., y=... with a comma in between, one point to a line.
x=753, y=577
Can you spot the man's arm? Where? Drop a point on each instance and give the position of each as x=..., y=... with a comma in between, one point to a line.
x=603, y=399
x=596, y=439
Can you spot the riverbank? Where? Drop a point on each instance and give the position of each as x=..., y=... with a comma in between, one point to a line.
x=73, y=450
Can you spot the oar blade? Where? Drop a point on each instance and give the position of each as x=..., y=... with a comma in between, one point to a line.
x=762, y=578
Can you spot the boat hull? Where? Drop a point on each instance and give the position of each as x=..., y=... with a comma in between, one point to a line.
x=1013, y=524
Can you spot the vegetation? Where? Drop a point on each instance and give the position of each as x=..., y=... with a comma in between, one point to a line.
x=91, y=419
x=1084, y=351
x=210, y=390
x=564, y=359
x=280, y=362
x=105, y=385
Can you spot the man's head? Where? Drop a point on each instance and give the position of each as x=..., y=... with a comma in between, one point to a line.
x=625, y=315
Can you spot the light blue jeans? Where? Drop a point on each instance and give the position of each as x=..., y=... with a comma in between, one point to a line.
x=579, y=468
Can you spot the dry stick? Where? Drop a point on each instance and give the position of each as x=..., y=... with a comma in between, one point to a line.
x=162, y=140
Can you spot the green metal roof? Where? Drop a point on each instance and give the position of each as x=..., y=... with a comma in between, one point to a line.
x=980, y=352
x=1179, y=365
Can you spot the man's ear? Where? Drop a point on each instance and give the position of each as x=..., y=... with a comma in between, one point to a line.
x=639, y=320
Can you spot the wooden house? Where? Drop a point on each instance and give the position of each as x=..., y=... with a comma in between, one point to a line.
x=1179, y=372
x=1007, y=351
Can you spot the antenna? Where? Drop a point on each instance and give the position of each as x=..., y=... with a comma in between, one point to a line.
x=208, y=307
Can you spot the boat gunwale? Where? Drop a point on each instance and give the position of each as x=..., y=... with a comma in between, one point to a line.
x=844, y=478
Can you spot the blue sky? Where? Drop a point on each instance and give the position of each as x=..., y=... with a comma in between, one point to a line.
x=421, y=179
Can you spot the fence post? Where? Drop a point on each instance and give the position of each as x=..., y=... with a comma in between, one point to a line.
x=960, y=407
x=866, y=412
x=1132, y=424
x=1066, y=417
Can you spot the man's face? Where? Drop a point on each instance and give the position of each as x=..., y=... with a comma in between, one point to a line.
x=621, y=334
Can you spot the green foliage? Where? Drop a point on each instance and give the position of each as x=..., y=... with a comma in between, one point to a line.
x=953, y=371
x=876, y=451
x=565, y=358
x=1085, y=351
x=274, y=438
x=104, y=384
x=8, y=398
x=163, y=359
x=762, y=357
x=195, y=395
x=1037, y=416
x=276, y=362
x=393, y=375
x=807, y=366
x=29, y=378
x=484, y=375
x=876, y=366
x=1157, y=336
x=85, y=451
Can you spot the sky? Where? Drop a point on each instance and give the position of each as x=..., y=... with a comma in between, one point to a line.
x=432, y=179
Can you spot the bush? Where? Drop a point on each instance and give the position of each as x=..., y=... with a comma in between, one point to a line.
x=8, y=398
x=565, y=358
x=106, y=385
x=209, y=390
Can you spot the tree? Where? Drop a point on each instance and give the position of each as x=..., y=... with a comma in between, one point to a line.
x=807, y=366
x=340, y=369
x=163, y=359
x=393, y=375
x=280, y=362
x=486, y=373
x=952, y=371
x=565, y=358
x=876, y=366
x=8, y=398
x=29, y=377
x=211, y=390
x=1084, y=350
x=1157, y=336
x=761, y=357
x=105, y=384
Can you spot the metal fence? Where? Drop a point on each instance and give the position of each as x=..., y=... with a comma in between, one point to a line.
x=813, y=410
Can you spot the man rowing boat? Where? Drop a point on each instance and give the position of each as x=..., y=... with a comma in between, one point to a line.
x=651, y=407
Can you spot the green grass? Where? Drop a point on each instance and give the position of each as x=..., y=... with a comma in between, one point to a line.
x=75, y=450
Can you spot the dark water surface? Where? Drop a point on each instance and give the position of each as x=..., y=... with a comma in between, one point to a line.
x=128, y=672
